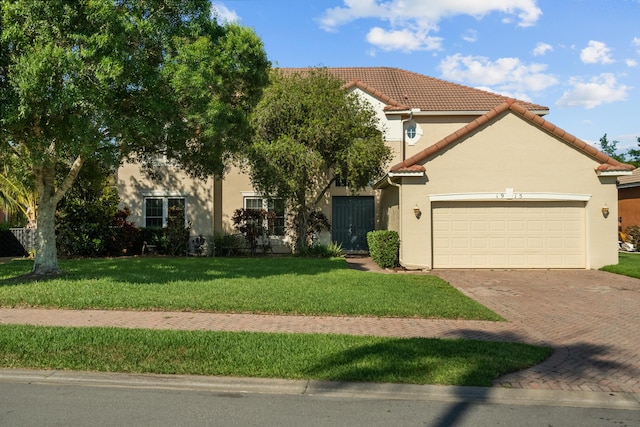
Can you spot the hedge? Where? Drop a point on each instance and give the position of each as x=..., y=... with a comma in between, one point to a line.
x=383, y=247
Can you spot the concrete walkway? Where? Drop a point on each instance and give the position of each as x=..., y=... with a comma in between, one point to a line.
x=589, y=317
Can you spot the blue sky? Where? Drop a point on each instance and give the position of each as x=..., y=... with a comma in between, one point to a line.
x=580, y=58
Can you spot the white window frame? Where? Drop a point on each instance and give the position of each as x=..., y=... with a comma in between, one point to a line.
x=165, y=206
x=417, y=132
x=265, y=206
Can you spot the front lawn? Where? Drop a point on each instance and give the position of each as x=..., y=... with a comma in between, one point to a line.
x=278, y=285
x=628, y=265
x=293, y=356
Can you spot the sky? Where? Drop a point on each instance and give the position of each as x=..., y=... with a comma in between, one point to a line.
x=579, y=58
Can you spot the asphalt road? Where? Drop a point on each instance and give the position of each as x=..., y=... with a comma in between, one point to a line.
x=102, y=401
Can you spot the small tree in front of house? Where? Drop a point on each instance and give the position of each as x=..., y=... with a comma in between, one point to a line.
x=309, y=132
x=176, y=233
x=253, y=225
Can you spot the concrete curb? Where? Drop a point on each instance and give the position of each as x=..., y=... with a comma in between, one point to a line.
x=240, y=385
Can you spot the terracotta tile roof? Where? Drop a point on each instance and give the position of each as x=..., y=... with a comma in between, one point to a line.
x=607, y=164
x=402, y=90
x=632, y=180
x=411, y=169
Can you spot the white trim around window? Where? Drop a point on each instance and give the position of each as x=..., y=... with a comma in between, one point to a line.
x=252, y=200
x=155, y=208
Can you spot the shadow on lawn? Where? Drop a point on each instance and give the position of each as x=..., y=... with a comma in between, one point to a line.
x=481, y=366
x=162, y=270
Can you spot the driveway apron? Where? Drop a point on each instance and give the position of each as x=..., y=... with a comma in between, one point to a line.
x=590, y=318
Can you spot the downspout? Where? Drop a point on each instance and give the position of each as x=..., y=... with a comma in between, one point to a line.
x=394, y=184
x=404, y=141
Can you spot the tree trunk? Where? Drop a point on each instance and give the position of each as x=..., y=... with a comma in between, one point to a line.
x=302, y=228
x=46, y=262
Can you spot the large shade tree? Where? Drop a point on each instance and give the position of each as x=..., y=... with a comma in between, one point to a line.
x=109, y=79
x=310, y=132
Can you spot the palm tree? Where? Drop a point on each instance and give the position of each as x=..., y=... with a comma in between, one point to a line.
x=18, y=196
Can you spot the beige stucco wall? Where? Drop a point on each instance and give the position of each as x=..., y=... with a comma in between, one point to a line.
x=134, y=186
x=509, y=153
x=237, y=185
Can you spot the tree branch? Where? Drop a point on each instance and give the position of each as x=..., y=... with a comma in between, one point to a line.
x=324, y=191
x=69, y=179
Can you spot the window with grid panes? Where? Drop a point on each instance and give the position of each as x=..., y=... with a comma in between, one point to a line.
x=275, y=225
x=157, y=209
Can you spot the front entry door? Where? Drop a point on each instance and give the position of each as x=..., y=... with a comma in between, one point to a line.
x=353, y=218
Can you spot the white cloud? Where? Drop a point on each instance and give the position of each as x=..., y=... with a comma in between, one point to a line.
x=421, y=17
x=636, y=42
x=353, y=10
x=602, y=89
x=223, y=13
x=505, y=75
x=631, y=63
x=403, y=40
x=596, y=52
x=541, y=49
x=470, y=36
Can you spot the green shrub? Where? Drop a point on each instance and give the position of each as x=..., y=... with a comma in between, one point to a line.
x=83, y=225
x=332, y=250
x=123, y=235
x=151, y=236
x=176, y=232
x=229, y=244
x=85, y=216
x=383, y=247
x=251, y=224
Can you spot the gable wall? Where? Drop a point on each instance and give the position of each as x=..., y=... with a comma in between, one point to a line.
x=434, y=129
x=509, y=153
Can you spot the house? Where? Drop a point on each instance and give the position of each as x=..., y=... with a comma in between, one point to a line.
x=478, y=180
x=629, y=200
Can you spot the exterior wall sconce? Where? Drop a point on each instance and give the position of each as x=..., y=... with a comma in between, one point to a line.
x=605, y=211
x=416, y=211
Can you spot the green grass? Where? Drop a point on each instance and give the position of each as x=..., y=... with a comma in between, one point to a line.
x=292, y=356
x=279, y=285
x=628, y=265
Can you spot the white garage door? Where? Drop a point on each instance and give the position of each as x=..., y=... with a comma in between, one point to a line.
x=509, y=235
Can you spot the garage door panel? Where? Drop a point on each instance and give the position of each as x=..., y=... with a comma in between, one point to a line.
x=479, y=225
x=534, y=243
x=518, y=225
x=460, y=226
x=535, y=225
x=509, y=235
x=460, y=243
x=497, y=243
x=495, y=226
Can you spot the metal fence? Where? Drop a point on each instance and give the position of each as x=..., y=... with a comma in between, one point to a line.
x=26, y=237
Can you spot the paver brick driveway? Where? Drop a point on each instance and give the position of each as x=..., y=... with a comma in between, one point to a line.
x=591, y=318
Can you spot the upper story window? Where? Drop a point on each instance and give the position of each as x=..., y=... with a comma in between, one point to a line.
x=413, y=132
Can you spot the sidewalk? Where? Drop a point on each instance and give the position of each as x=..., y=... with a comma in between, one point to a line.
x=387, y=327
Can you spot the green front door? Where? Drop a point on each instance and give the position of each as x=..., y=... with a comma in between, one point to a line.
x=352, y=219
